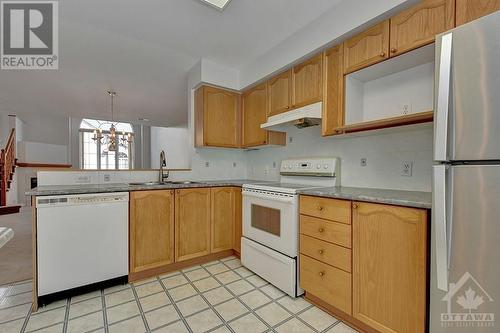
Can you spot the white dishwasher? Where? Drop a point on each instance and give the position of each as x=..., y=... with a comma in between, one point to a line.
x=81, y=239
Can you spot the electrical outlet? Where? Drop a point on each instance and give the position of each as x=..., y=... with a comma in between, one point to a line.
x=82, y=179
x=266, y=170
x=290, y=139
x=274, y=165
x=363, y=162
x=407, y=168
x=207, y=164
x=405, y=108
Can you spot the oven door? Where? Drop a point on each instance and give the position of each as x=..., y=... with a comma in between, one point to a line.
x=271, y=219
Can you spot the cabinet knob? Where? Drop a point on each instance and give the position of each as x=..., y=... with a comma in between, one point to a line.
x=172, y=192
x=321, y=251
x=287, y=107
x=321, y=273
x=321, y=230
x=382, y=54
x=393, y=50
x=320, y=208
x=354, y=206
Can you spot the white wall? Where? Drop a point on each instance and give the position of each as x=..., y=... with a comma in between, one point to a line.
x=342, y=20
x=384, y=152
x=175, y=142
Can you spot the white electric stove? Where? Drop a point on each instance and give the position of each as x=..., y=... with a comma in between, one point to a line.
x=270, y=241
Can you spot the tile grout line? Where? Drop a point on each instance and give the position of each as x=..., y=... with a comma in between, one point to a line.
x=66, y=315
x=104, y=312
x=175, y=306
x=26, y=319
x=141, y=312
x=210, y=306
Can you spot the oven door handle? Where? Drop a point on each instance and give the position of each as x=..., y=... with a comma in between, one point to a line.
x=272, y=197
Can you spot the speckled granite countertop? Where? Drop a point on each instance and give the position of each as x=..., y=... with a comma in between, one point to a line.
x=107, y=188
x=393, y=197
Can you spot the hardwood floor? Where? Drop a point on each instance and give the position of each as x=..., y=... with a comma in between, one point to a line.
x=15, y=256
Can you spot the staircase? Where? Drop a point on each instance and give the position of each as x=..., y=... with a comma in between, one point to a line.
x=8, y=163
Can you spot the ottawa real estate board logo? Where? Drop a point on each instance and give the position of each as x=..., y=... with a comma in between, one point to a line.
x=29, y=35
x=467, y=305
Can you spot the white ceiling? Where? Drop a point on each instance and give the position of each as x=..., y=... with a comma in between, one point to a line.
x=143, y=49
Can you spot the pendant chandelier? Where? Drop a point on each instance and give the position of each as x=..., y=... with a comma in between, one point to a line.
x=112, y=138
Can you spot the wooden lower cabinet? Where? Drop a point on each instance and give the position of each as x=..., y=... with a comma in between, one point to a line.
x=151, y=229
x=222, y=218
x=380, y=285
x=192, y=223
x=238, y=220
x=390, y=267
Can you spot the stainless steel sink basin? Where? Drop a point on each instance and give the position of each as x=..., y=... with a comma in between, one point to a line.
x=180, y=182
x=149, y=183
x=185, y=182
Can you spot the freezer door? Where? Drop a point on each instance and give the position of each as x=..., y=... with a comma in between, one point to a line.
x=467, y=94
x=472, y=205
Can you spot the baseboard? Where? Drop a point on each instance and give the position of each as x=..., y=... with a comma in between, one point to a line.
x=5, y=210
x=345, y=317
x=134, y=277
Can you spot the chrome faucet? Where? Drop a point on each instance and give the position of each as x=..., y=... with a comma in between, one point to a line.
x=163, y=163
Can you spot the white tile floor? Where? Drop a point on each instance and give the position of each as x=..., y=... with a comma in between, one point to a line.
x=221, y=296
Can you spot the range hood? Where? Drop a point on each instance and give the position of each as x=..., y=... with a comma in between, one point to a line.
x=309, y=115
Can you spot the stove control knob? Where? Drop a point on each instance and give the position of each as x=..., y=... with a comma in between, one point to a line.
x=325, y=166
x=318, y=166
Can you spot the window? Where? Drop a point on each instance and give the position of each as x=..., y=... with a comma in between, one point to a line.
x=95, y=154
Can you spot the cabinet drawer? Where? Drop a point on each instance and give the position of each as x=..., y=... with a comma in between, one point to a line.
x=329, y=231
x=330, y=284
x=327, y=253
x=330, y=209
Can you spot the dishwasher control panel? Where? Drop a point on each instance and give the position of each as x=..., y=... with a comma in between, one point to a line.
x=81, y=199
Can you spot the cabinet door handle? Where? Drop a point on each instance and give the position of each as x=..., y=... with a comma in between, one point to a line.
x=382, y=54
x=320, y=208
x=321, y=230
x=321, y=251
x=393, y=50
x=354, y=206
x=321, y=273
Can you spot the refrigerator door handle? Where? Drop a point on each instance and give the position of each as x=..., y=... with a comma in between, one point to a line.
x=439, y=221
x=443, y=99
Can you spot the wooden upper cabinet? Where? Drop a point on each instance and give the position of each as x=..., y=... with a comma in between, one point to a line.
x=280, y=93
x=254, y=114
x=469, y=10
x=217, y=118
x=307, y=82
x=238, y=220
x=151, y=229
x=390, y=267
x=367, y=48
x=418, y=25
x=333, y=94
x=192, y=223
x=223, y=217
